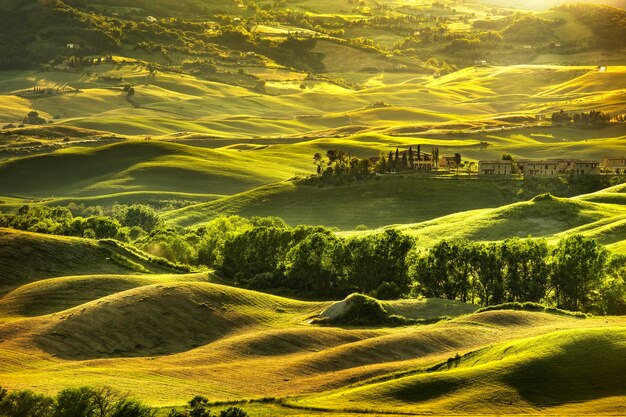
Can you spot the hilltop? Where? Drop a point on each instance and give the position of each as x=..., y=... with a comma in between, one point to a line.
x=27, y=257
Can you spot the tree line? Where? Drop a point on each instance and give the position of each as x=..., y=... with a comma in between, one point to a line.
x=576, y=274
x=92, y=402
x=337, y=165
x=267, y=254
x=593, y=118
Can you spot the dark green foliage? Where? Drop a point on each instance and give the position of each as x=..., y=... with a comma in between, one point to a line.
x=233, y=412
x=26, y=404
x=138, y=215
x=310, y=267
x=517, y=270
x=378, y=258
x=592, y=119
x=76, y=402
x=71, y=402
x=577, y=271
x=444, y=271
x=131, y=408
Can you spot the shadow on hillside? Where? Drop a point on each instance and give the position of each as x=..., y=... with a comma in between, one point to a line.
x=587, y=369
x=148, y=321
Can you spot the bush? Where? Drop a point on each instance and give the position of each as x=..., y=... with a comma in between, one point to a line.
x=233, y=412
x=131, y=408
x=25, y=404
x=75, y=402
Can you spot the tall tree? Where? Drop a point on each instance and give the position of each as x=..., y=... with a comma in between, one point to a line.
x=577, y=269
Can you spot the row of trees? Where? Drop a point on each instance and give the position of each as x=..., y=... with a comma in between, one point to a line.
x=122, y=222
x=337, y=163
x=91, y=402
x=72, y=402
x=575, y=274
x=593, y=118
x=266, y=253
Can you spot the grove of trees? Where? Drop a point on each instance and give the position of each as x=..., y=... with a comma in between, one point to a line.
x=265, y=253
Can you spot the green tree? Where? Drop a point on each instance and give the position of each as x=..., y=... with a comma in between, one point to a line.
x=376, y=259
x=131, y=408
x=444, y=272
x=309, y=266
x=487, y=265
x=26, y=404
x=233, y=412
x=138, y=215
x=577, y=270
x=525, y=269
x=76, y=402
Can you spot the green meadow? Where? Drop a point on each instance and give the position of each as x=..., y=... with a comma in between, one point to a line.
x=189, y=190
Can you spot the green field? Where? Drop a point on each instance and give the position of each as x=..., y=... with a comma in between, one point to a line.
x=165, y=338
x=201, y=110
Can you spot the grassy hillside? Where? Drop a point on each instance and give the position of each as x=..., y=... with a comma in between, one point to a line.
x=537, y=218
x=228, y=343
x=505, y=378
x=28, y=257
x=137, y=166
x=374, y=203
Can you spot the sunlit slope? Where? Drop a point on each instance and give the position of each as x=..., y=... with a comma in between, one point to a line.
x=162, y=319
x=228, y=343
x=173, y=103
x=374, y=203
x=137, y=166
x=566, y=372
x=548, y=217
x=66, y=292
x=25, y=257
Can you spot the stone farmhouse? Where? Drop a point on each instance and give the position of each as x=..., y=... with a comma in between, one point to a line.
x=532, y=167
x=615, y=164
x=495, y=167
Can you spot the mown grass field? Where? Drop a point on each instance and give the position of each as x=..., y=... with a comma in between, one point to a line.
x=165, y=338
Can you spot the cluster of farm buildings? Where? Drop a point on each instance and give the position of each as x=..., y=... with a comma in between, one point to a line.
x=528, y=167
x=550, y=167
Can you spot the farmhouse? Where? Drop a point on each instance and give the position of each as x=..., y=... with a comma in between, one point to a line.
x=73, y=46
x=447, y=162
x=495, y=167
x=615, y=164
x=532, y=168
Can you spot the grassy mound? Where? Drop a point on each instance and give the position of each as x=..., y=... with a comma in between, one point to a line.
x=569, y=368
x=161, y=319
x=67, y=292
x=361, y=310
x=26, y=257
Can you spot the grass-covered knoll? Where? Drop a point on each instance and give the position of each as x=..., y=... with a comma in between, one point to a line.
x=138, y=166
x=374, y=203
x=26, y=257
x=66, y=292
x=163, y=319
x=505, y=378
